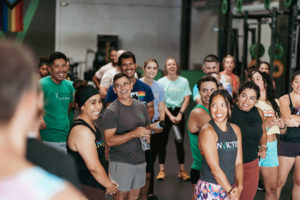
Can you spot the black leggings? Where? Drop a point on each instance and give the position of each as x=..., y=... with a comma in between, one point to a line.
x=159, y=141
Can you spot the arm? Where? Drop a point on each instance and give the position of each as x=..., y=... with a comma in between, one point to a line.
x=82, y=140
x=197, y=119
x=263, y=140
x=169, y=114
x=112, y=139
x=161, y=109
x=184, y=106
x=290, y=120
x=96, y=82
x=150, y=109
x=238, y=165
x=103, y=92
x=207, y=143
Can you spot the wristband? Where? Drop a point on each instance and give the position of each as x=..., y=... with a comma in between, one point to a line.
x=264, y=146
x=283, y=127
x=181, y=112
x=230, y=190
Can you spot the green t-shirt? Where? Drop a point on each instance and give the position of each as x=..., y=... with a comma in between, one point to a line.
x=57, y=98
x=175, y=91
x=197, y=157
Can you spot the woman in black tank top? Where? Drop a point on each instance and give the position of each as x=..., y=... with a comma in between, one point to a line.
x=289, y=144
x=86, y=145
x=220, y=142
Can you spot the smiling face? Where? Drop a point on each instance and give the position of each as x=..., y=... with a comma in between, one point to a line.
x=296, y=84
x=247, y=99
x=171, y=67
x=211, y=68
x=151, y=69
x=258, y=80
x=59, y=70
x=219, y=109
x=122, y=87
x=92, y=107
x=128, y=67
x=206, y=89
x=229, y=64
x=113, y=57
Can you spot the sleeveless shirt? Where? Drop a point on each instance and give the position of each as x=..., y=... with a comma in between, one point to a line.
x=293, y=133
x=84, y=173
x=227, y=145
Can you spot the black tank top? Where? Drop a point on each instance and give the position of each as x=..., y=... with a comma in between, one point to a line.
x=227, y=149
x=84, y=173
x=293, y=133
x=250, y=124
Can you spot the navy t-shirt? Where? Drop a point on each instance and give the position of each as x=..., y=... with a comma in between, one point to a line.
x=141, y=92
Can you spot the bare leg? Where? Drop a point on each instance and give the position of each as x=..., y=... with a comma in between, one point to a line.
x=296, y=177
x=145, y=189
x=270, y=177
x=285, y=166
x=121, y=195
x=134, y=194
x=161, y=167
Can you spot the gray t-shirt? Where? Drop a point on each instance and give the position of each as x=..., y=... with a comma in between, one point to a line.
x=125, y=119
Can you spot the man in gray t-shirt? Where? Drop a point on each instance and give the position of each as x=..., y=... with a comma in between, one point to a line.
x=124, y=122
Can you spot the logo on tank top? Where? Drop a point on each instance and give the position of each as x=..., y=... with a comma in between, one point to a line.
x=227, y=145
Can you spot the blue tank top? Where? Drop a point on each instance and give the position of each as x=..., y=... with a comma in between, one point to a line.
x=293, y=133
x=227, y=145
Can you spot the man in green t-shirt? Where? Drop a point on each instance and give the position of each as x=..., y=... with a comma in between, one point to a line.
x=58, y=96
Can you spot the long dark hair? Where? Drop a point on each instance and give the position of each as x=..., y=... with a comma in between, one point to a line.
x=270, y=91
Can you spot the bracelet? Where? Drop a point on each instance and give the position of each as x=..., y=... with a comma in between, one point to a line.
x=181, y=112
x=264, y=146
x=283, y=127
x=230, y=190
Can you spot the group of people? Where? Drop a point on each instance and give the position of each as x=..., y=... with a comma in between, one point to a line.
x=236, y=138
x=115, y=132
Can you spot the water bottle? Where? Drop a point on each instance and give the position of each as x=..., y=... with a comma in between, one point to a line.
x=177, y=134
x=145, y=144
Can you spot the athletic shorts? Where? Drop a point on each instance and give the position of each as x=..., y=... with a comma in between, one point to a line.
x=148, y=157
x=288, y=149
x=271, y=159
x=128, y=176
x=195, y=175
x=209, y=191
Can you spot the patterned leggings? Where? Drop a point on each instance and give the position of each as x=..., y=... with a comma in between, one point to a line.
x=209, y=191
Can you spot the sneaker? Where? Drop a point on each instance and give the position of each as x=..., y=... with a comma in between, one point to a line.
x=183, y=175
x=161, y=175
x=261, y=186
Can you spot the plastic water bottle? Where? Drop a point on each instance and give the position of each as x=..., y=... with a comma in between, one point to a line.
x=177, y=134
x=145, y=144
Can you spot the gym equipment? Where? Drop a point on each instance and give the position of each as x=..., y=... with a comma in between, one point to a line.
x=254, y=50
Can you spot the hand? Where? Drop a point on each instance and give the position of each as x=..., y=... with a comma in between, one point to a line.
x=262, y=152
x=269, y=122
x=179, y=118
x=173, y=119
x=154, y=128
x=113, y=188
x=291, y=122
x=280, y=123
x=234, y=194
x=142, y=132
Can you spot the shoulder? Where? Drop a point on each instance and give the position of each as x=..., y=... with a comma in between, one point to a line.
x=45, y=80
x=142, y=84
x=182, y=79
x=162, y=80
x=284, y=98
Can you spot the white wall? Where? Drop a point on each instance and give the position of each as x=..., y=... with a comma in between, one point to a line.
x=148, y=28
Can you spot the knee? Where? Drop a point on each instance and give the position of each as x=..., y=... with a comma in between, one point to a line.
x=281, y=183
x=296, y=181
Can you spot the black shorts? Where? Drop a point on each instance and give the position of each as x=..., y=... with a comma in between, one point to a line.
x=148, y=157
x=195, y=175
x=288, y=149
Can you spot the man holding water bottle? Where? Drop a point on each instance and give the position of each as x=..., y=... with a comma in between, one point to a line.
x=125, y=122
